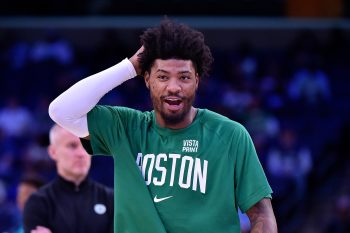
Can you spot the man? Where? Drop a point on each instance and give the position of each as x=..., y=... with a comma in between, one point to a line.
x=27, y=185
x=72, y=202
x=178, y=169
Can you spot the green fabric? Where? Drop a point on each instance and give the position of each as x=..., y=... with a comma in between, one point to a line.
x=205, y=171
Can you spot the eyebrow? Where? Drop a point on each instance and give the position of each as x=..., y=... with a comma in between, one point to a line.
x=181, y=72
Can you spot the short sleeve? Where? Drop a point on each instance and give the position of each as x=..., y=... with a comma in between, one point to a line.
x=108, y=128
x=250, y=179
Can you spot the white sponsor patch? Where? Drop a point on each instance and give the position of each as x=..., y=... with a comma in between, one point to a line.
x=100, y=209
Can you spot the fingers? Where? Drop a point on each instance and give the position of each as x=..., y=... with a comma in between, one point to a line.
x=135, y=60
x=140, y=51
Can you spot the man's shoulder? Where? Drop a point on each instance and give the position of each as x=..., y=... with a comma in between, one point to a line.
x=217, y=120
x=123, y=111
x=42, y=194
x=102, y=187
x=222, y=126
x=118, y=109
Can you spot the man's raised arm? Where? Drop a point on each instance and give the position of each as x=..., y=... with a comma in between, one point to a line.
x=69, y=109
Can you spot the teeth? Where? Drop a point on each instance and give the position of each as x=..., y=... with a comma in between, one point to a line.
x=173, y=98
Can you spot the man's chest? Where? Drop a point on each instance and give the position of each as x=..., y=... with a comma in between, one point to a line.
x=181, y=162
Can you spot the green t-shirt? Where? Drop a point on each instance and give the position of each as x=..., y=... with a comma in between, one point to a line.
x=178, y=181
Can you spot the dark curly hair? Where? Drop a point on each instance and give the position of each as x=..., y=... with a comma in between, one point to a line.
x=174, y=40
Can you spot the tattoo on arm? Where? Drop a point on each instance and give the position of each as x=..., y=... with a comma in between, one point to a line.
x=262, y=218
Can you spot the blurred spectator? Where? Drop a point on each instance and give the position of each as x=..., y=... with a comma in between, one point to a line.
x=16, y=126
x=237, y=99
x=263, y=126
x=288, y=165
x=18, y=54
x=248, y=62
x=27, y=185
x=42, y=119
x=271, y=86
x=15, y=120
x=53, y=48
x=242, y=66
x=310, y=85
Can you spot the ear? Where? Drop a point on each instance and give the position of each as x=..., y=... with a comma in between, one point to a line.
x=51, y=150
x=147, y=77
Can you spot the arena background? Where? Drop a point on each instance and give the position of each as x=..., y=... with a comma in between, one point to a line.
x=281, y=68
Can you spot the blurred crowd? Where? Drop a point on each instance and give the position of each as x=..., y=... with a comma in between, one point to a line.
x=294, y=102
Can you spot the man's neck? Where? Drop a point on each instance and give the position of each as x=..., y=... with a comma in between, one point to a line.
x=188, y=119
x=74, y=179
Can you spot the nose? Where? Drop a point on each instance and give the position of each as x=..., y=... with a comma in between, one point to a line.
x=81, y=152
x=173, y=86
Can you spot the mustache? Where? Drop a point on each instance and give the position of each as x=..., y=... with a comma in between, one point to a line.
x=172, y=95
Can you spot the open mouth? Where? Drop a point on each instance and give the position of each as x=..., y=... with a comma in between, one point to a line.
x=173, y=103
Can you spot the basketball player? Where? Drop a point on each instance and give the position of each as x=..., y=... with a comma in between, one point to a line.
x=178, y=168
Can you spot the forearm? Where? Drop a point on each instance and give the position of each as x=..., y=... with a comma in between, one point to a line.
x=262, y=218
x=70, y=108
x=263, y=225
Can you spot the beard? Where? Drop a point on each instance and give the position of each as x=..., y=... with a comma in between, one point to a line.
x=172, y=117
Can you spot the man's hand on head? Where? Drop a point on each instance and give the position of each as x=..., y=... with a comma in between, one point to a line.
x=135, y=60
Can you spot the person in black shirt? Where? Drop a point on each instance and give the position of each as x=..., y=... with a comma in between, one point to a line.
x=71, y=203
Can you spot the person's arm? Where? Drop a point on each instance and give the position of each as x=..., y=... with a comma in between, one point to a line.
x=35, y=213
x=262, y=218
x=70, y=109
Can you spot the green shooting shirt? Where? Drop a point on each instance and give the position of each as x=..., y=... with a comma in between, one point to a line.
x=190, y=180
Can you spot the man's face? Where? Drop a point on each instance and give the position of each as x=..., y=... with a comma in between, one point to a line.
x=173, y=84
x=72, y=161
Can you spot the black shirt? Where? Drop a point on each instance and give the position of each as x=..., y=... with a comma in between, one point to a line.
x=64, y=207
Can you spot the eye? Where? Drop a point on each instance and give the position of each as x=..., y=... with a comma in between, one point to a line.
x=185, y=78
x=162, y=77
x=72, y=145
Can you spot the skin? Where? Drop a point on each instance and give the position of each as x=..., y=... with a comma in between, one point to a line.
x=262, y=218
x=72, y=161
x=173, y=84
x=177, y=80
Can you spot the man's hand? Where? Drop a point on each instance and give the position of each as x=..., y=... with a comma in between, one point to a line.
x=41, y=229
x=135, y=60
x=262, y=218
